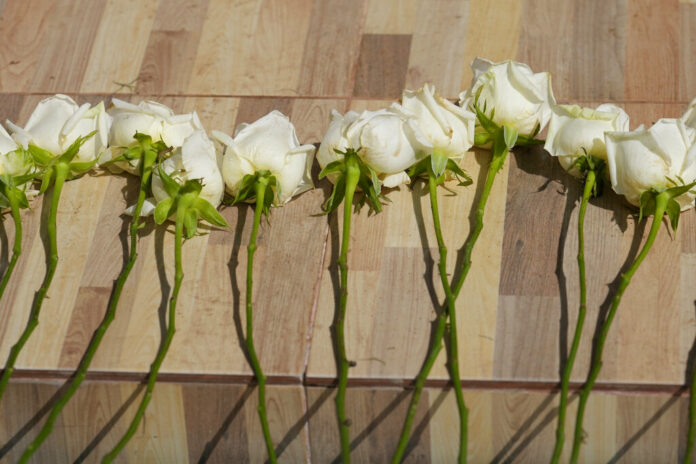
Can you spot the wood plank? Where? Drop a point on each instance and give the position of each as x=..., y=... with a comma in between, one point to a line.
x=492, y=32
x=60, y=68
x=260, y=51
x=687, y=47
x=581, y=41
x=434, y=56
x=333, y=21
x=381, y=65
x=172, y=47
x=23, y=31
x=652, y=57
x=391, y=16
x=119, y=46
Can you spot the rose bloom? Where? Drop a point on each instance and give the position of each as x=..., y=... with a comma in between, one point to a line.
x=654, y=158
x=269, y=143
x=384, y=140
x=511, y=94
x=58, y=121
x=575, y=131
x=440, y=124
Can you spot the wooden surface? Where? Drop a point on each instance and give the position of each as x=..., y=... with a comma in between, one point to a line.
x=234, y=62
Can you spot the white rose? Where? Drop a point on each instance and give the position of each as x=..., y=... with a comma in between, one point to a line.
x=386, y=141
x=195, y=159
x=521, y=99
x=12, y=162
x=574, y=130
x=269, y=143
x=646, y=159
x=149, y=118
x=58, y=121
x=689, y=118
x=444, y=125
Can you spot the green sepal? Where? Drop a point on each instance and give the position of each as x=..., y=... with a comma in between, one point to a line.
x=81, y=167
x=208, y=212
x=369, y=183
x=482, y=138
x=510, y=136
x=673, y=212
x=41, y=157
x=485, y=121
x=23, y=179
x=194, y=186
x=418, y=169
x=647, y=204
x=46, y=179
x=9, y=191
x=524, y=141
x=74, y=148
x=462, y=177
x=674, y=192
x=333, y=167
x=438, y=162
x=190, y=222
x=163, y=210
x=246, y=189
x=337, y=194
x=171, y=186
x=586, y=163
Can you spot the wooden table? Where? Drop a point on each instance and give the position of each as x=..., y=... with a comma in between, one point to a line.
x=233, y=61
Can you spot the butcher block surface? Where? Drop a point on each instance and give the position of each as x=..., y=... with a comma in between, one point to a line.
x=233, y=62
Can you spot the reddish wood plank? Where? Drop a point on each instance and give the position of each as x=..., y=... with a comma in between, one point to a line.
x=652, y=51
x=331, y=48
x=382, y=66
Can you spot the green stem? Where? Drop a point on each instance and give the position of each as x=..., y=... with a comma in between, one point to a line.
x=181, y=210
x=434, y=351
x=260, y=189
x=596, y=365
x=451, y=310
x=352, y=177
x=81, y=372
x=497, y=161
x=691, y=435
x=17, y=248
x=500, y=153
x=62, y=172
x=565, y=381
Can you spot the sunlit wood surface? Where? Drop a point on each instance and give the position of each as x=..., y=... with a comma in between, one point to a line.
x=234, y=61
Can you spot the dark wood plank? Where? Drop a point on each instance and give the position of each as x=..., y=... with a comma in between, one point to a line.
x=382, y=65
x=332, y=48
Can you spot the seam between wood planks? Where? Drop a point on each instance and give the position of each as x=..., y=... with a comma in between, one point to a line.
x=290, y=380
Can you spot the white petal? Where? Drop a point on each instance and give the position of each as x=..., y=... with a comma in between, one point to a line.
x=45, y=125
x=395, y=180
x=147, y=210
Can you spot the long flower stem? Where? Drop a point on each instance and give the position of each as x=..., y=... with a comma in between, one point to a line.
x=660, y=207
x=17, y=247
x=260, y=189
x=62, y=171
x=568, y=369
x=352, y=177
x=691, y=435
x=171, y=329
x=453, y=355
x=106, y=322
x=497, y=161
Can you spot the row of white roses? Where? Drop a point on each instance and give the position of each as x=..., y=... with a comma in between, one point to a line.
x=506, y=100
x=392, y=139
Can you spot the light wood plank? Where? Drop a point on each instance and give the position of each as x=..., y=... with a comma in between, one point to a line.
x=119, y=46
